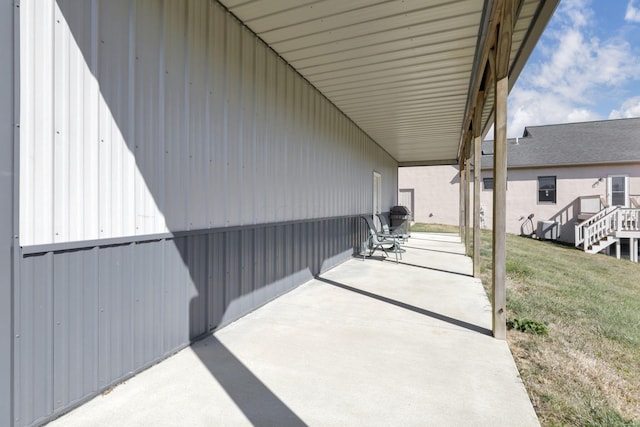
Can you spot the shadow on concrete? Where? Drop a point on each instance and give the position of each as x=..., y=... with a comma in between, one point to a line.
x=432, y=314
x=432, y=250
x=435, y=269
x=256, y=401
x=433, y=240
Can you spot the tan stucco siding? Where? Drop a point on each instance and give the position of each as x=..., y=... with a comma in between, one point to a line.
x=436, y=197
x=436, y=191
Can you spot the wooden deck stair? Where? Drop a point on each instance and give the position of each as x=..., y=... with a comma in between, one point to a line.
x=601, y=245
x=607, y=227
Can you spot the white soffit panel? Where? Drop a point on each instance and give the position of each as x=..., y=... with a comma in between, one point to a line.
x=401, y=70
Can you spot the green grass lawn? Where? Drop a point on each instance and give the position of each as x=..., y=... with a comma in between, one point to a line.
x=586, y=370
x=434, y=228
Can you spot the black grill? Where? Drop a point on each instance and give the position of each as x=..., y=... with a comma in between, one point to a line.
x=400, y=219
x=400, y=211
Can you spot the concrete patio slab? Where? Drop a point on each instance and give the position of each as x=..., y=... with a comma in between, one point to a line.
x=369, y=343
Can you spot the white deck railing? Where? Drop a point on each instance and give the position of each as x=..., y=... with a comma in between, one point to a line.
x=587, y=228
x=605, y=223
x=628, y=219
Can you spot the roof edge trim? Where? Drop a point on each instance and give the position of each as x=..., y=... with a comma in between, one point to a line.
x=444, y=162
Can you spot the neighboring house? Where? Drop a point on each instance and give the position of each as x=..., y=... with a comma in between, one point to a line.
x=556, y=173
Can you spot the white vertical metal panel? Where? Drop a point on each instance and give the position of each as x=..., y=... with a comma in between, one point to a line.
x=233, y=89
x=217, y=66
x=196, y=112
x=61, y=137
x=269, y=140
x=142, y=117
x=149, y=149
x=77, y=71
x=261, y=81
x=319, y=158
x=279, y=148
x=36, y=127
x=305, y=136
x=43, y=124
x=299, y=86
x=288, y=176
x=116, y=125
x=27, y=128
x=175, y=133
x=246, y=167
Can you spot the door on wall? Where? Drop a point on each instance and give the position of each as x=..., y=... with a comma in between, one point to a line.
x=405, y=198
x=377, y=198
x=618, y=190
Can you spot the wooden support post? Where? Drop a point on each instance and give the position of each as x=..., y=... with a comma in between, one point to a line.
x=477, y=167
x=499, y=63
x=461, y=212
x=618, y=249
x=467, y=210
x=499, y=209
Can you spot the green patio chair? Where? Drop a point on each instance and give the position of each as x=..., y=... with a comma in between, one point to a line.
x=378, y=241
x=387, y=231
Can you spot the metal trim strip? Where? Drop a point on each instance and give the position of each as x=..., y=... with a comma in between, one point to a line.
x=116, y=241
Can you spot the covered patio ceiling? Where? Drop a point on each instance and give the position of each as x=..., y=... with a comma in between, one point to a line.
x=407, y=72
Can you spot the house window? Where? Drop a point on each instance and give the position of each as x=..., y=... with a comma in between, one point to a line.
x=618, y=189
x=487, y=183
x=546, y=189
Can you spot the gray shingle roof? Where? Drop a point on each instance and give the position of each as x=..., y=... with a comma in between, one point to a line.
x=607, y=141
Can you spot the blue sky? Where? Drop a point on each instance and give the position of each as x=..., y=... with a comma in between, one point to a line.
x=585, y=67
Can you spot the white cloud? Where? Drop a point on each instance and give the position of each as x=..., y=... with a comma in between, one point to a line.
x=633, y=12
x=531, y=107
x=629, y=108
x=578, y=64
x=576, y=70
x=575, y=13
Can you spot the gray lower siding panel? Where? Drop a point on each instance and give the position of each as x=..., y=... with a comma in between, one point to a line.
x=88, y=318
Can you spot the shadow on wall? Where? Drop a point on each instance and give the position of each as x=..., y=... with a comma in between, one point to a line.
x=566, y=217
x=456, y=177
x=117, y=309
x=528, y=227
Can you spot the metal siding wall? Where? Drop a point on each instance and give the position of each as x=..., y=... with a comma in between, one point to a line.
x=89, y=318
x=175, y=320
x=198, y=269
x=115, y=125
x=217, y=275
x=34, y=340
x=217, y=63
x=149, y=119
x=176, y=147
x=197, y=104
x=7, y=182
x=114, y=285
x=75, y=320
x=36, y=127
x=149, y=297
x=147, y=116
x=143, y=117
